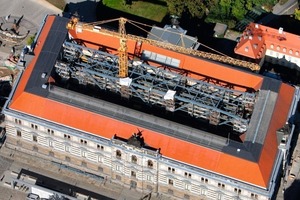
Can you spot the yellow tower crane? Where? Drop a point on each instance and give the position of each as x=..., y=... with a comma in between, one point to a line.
x=123, y=55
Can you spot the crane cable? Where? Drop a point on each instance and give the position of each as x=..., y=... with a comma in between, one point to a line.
x=134, y=24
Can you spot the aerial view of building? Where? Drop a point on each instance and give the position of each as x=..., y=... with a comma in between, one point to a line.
x=275, y=46
x=149, y=115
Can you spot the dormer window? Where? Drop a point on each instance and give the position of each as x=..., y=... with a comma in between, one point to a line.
x=278, y=48
x=259, y=38
x=284, y=49
x=272, y=46
x=290, y=51
x=255, y=46
x=246, y=49
x=297, y=53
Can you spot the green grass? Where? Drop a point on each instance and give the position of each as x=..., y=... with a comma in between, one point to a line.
x=155, y=11
x=58, y=3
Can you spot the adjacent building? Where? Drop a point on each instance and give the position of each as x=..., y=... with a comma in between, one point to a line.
x=275, y=46
x=177, y=125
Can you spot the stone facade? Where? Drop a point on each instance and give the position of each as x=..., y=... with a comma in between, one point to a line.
x=122, y=161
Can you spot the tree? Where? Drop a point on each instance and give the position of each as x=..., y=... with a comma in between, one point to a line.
x=196, y=8
x=297, y=14
x=238, y=9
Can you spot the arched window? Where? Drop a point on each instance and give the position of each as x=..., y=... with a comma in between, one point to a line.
x=133, y=159
x=118, y=154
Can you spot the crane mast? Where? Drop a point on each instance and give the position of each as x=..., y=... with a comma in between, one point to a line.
x=123, y=55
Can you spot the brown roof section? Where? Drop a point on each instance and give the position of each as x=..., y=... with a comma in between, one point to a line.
x=256, y=173
x=256, y=39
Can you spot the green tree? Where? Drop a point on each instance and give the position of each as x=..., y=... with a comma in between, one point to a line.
x=196, y=8
x=225, y=6
x=297, y=14
x=238, y=9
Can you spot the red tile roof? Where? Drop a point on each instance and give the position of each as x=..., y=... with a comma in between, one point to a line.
x=256, y=39
x=256, y=173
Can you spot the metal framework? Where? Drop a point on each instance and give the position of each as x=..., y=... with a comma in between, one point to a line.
x=157, y=86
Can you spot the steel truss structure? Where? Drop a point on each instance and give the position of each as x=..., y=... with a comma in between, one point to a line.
x=157, y=86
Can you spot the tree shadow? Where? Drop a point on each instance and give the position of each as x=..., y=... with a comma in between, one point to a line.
x=91, y=11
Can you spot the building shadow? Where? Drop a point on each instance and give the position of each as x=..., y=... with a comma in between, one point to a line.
x=292, y=192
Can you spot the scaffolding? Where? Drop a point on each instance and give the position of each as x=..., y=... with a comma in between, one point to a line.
x=156, y=86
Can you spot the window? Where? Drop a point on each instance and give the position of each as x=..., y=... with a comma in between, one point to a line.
x=221, y=185
x=67, y=136
x=35, y=148
x=254, y=196
x=83, y=154
x=118, y=177
x=19, y=133
x=188, y=175
x=149, y=178
x=100, y=169
x=278, y=48
x=100, y=147
x=17, y=121
x=238, y=191
x=149, y=187
x=118, y=154
x=150, y=164
x=170, y=192
x=34, y=138
x=187, y=186
x=204, y=180
x=83, y=142
x=170, y=182
x=118, y=167
x=171, y=170
x=133, y=173
x=68, y=159
x=186, y=196
x=67, y=148
x=133, y=159
x=83, y=164
x=203, y=191
x=34, y=126
x=49, y=131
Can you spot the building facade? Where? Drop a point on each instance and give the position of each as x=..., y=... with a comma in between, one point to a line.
x=47, y=116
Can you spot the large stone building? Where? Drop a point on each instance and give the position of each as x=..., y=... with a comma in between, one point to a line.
x=177, y=125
